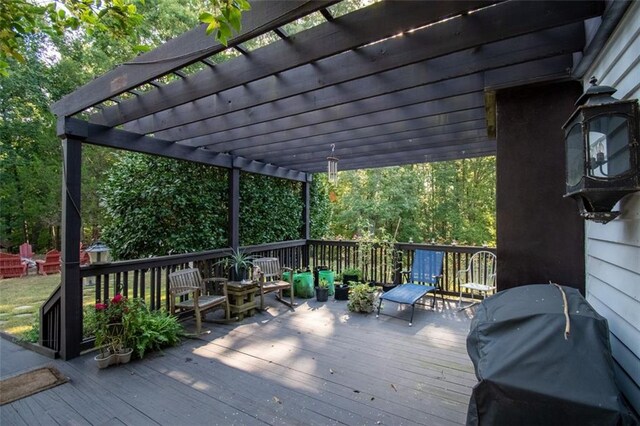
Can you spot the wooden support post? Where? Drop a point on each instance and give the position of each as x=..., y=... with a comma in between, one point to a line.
x=306, y=210
x=234, y=208
x=71, y=302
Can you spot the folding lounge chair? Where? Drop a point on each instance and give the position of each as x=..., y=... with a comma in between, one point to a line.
x=425, y=272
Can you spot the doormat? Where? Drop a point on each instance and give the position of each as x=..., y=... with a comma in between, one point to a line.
x=29, y=383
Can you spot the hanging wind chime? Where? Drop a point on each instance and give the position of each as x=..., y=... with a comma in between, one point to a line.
x=332, y=166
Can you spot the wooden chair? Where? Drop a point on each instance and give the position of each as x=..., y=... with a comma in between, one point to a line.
x=270, y=279
x=26, y=251
x=85, y=259
x=189, y=282
x=11, y=266
x=50, y=264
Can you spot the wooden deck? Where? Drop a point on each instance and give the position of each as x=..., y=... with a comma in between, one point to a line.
x=318, y=365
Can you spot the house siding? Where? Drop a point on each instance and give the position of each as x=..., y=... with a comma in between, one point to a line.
x=613, y=250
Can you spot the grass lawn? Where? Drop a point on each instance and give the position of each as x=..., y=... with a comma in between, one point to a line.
x=21, y=298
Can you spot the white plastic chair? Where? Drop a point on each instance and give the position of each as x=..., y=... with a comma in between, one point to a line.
x=479, y=276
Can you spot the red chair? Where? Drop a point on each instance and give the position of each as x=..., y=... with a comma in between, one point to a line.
x=50, y=264
x=11, y=266
x=26, y=251
x=85, y=259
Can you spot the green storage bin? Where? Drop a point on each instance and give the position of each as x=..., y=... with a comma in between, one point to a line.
x=302, y=284
x=329, y=276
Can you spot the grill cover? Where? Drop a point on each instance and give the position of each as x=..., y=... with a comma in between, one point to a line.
x=529, y=374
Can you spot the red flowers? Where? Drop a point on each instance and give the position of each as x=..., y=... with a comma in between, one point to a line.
x=101, y=306
x=117, y=298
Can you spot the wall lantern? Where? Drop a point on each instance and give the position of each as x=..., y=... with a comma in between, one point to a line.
x=602, y=152
x=332, y=166
x=99, y=253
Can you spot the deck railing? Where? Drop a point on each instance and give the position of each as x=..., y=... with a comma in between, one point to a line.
x=384, y=263
x=148, y=279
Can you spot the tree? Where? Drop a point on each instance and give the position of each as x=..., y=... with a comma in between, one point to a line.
x=21, y=19
x=442, y=202
x=30, y=184
x=179, y=207
x=173, y=207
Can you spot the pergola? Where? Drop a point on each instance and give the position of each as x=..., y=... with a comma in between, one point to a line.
x=394, y=83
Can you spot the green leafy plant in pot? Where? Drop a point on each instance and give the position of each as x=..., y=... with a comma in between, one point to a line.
x=123, y=327
x=322, y=291
x=361, y=298
x=351, y=275
x=239, y=263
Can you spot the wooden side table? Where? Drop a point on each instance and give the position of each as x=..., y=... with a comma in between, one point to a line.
x=242, y=298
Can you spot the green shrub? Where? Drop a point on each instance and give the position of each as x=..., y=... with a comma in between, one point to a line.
x=361, y=298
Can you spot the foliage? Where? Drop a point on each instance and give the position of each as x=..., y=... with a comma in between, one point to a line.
x=270, y=209
x=29, y=158
x=19, y=19
x=361, y=298
x=118, y=19
x=323, y=283
x=127, y=323
x=32, y=335
x=443, y=202
x=157, y=206
x=320, y=214
x=225, y=18
x=237, y=260
x=354, y=272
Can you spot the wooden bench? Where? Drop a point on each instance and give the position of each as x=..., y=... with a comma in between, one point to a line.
x=11, y=266
x=269, y=277
x=50, y=264
x=190, y=288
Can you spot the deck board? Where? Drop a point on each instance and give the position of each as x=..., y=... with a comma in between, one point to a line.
x=319, y=365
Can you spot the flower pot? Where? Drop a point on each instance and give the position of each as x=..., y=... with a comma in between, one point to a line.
x=105, y=360
x=322, y=294
x=387, y=287
x=349, y=278
x=124, y=356
x=342, y=292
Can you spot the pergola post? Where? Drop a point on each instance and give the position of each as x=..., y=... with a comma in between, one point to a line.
x=306, y=199
x=234, y=207
x=71, y=286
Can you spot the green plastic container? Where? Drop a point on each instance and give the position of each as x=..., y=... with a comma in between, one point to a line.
x=302, y=284
x=329, y=276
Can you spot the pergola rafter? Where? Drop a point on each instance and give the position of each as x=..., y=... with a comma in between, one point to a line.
x=336, y=77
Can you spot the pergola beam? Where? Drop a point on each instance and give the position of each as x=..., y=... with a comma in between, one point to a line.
x=454, y=149
x=96, y=134
x=424, y=109
x=297, y=91
x=404, y=146
x=182, y=51
x=491, y=24
x=397, y=131
x=347, y=32
x=403, y=98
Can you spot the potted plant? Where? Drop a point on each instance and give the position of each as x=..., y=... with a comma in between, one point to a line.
x=361, y=298
x=123, y=326
x=110, y=332
x=239, y=262
x=322, y=291
x=342, y=291
x=351, y=275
